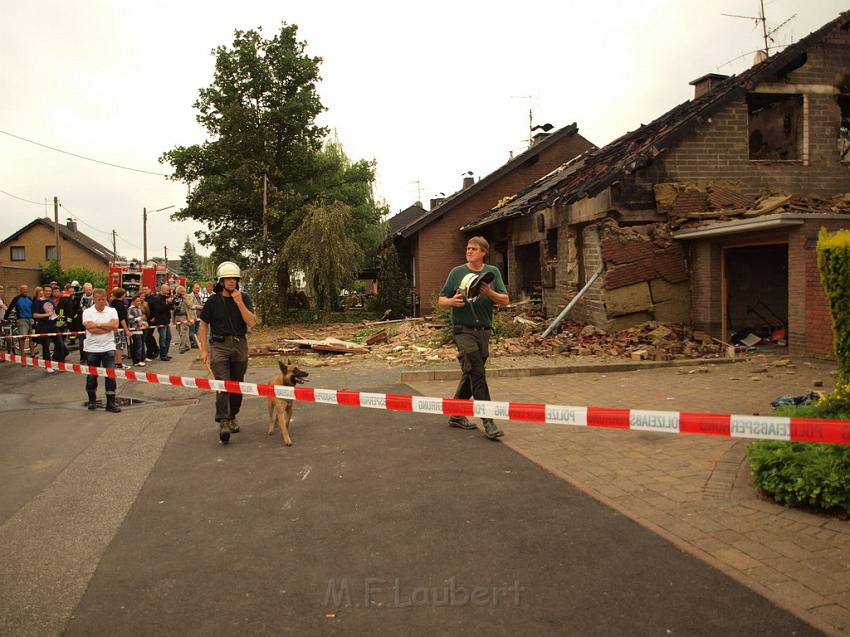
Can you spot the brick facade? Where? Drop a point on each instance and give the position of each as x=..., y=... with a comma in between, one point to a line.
x=440, y=245
x=36, y=239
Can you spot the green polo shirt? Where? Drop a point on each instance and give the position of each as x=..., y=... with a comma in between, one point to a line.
x=480, y=312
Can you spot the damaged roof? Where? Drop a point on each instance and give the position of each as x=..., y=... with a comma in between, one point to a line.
x=592, y=172
x=462, y=195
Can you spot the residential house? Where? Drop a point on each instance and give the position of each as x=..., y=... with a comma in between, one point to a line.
x=429, y=245
x=34, y=245
x=676, y=210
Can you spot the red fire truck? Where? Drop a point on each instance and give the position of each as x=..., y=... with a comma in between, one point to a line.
x=132, y=275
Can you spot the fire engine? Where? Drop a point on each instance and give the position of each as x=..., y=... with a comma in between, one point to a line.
x=132, y=275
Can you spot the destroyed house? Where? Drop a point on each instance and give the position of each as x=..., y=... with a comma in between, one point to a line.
x=708, y=215
x=430, y=244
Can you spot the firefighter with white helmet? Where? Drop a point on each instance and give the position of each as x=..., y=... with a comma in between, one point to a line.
x=470, y=292
x=226, y=318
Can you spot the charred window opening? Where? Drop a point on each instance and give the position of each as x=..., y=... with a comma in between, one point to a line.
x=552, y=244
x=844, y=128
x=499, y=258
x=775, y=126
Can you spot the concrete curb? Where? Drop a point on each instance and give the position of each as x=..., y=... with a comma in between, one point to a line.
x=412, y=376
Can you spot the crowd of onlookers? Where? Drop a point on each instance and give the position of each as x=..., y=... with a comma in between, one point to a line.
x=145, y=319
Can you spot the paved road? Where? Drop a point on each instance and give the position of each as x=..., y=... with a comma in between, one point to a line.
x=374, y=522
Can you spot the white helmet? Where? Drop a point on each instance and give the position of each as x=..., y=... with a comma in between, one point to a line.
x=227, y=269
x=471, y=284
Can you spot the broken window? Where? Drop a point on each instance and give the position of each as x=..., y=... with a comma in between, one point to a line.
x=775, y=126
x=844, y=128
x=552, y=244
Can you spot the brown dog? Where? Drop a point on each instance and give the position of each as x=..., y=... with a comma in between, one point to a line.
x=280, y=409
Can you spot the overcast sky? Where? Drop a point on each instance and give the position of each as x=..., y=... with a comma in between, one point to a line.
x=429, y=90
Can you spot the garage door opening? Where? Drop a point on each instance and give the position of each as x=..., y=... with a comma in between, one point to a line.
x=757, y=295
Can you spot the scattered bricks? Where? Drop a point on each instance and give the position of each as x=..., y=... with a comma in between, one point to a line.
x=639, y=355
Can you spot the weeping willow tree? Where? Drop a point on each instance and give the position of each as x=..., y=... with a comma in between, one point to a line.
x=326, y=254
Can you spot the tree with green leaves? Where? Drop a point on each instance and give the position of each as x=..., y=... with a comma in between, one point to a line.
x=190, y=265
x=327, y=256
x=267, y=162
x=393, y=286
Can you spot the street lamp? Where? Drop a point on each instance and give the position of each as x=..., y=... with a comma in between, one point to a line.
x=145, y=230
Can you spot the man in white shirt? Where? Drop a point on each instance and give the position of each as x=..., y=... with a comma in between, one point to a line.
x=100, y=321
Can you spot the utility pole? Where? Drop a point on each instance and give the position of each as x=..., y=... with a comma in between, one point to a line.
x=166, y=256
x=144, y=235
x=114, y=246
x=56, y=230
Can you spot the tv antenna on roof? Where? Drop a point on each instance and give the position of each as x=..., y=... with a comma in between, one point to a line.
x=767, y=35
x=530, y=124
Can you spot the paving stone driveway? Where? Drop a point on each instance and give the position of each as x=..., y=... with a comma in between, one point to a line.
x=694, y=490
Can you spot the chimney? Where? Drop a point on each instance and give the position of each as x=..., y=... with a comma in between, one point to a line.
x=540, y=132
x=707, y=82
x=72, y=225
x=436, y=202
x=468, y=180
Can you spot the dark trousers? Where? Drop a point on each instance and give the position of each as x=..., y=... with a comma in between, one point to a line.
x=138, y=348
x=151, y=348
x=164, y=339
x=228, y=361
x=81, y=339
x=101, y=359
x=58, y=348
x=473, y=351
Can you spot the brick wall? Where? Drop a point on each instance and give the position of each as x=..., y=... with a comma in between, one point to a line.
x=591, y=307
x=34, y=242
x=718, y=149
x=809, y=318
x=442, y=246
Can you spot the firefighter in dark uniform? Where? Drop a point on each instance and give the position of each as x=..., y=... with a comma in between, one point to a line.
x=225, y=320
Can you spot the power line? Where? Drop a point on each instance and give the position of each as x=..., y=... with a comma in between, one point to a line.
x=37, y=203
x=97, y=161
x=77, y=217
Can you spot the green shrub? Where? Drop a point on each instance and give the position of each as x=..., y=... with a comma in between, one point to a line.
x=803, y=474
x=834, y=266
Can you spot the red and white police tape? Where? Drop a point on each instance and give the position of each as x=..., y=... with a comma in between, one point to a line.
x=730, y=425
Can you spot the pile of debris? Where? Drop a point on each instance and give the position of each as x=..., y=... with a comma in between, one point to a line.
x=692, y=205
x=649, y=341
x=414, y=342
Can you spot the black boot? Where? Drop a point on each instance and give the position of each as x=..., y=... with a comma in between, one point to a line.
x=224, y=431
x=92, y=404
x=491, y=430
x=111, y=405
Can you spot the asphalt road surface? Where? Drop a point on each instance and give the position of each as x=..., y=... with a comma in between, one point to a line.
x=374, y=522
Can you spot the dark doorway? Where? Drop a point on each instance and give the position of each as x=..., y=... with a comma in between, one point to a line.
x=757, y=292
x=529, y=278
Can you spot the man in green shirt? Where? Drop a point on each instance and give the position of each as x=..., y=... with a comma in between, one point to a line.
x=472, y=320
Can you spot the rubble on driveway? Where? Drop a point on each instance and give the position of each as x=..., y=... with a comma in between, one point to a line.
x=419, y=342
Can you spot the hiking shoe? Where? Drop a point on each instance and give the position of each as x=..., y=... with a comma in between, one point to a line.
x=491, y=430
x=233, y=426
x=461, y=422
x=224, y=431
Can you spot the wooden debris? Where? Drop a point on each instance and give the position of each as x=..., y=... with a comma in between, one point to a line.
x=377, y=337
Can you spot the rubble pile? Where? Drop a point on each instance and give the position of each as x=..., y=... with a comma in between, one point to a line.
x=417, y=342
x=648, y=341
